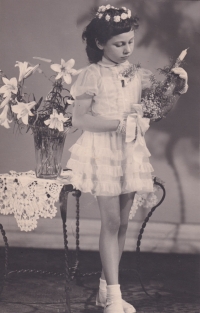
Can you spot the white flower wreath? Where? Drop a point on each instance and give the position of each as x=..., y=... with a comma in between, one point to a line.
x=116, y=18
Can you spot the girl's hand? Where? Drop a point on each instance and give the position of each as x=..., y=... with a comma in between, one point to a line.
x=181, y=73
x=184, y=76
x=121, y=129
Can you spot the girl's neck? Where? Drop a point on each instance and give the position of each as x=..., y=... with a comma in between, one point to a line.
x=109, y=61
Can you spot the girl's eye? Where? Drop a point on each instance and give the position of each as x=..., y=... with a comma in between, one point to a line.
x=119, y=45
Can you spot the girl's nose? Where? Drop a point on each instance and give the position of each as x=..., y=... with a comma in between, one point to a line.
x=127, y=49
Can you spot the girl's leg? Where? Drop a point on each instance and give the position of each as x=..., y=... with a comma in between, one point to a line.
x=108, y=242
x=125, y=201
x=109, y=251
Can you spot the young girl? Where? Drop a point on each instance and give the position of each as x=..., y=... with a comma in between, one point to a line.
x=110, y=159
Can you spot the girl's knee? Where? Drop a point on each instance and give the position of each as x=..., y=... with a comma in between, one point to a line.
x=110, y=214
x=112, y=225
x=123, y=228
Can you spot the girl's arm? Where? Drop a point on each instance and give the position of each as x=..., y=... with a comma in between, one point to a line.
x=82, y=120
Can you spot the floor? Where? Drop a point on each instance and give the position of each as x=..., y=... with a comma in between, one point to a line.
x=172, y=280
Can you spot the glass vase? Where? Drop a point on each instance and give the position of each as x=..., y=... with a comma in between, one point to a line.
x=49, y=145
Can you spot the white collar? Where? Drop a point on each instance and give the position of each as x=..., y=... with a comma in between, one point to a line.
x=106, y=63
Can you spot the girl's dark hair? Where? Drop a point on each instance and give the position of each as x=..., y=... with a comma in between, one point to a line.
x=102, y=30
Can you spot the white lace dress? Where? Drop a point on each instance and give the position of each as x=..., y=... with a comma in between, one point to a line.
x=105, y=163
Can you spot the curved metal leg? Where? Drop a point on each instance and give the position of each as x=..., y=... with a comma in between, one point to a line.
x=141, y=234
x=6, y=257
x=77, y=194
x=63, y=210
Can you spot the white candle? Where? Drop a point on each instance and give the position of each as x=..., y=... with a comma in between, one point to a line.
x=183, y=54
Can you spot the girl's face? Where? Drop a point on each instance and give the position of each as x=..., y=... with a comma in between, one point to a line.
x=119, y=47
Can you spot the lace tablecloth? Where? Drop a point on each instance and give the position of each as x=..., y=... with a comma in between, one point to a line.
x=28, y=197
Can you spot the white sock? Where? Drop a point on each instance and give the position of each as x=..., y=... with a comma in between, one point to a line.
x=102, y=285
x=103, y=295
x=113, y=293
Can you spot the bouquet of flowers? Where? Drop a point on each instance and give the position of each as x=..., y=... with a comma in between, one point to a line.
x=158, y=100
x=47, y=113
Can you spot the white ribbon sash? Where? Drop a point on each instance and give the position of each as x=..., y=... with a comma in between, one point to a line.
x=136, y=125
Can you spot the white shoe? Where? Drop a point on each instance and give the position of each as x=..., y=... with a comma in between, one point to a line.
x=101, y=300
x=114, y=307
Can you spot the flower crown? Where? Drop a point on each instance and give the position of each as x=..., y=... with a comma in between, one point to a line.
x=104, y=12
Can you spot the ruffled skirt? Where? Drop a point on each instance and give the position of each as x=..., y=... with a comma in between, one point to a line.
x=105, y=165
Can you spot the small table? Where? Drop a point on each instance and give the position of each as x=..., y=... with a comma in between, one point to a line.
x=30, y=198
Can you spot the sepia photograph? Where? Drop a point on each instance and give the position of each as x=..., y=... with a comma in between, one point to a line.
x=99, y=156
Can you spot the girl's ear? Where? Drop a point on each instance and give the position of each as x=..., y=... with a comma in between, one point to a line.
x=98, y=44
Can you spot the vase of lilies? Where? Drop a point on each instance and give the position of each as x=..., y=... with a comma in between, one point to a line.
x=49, y=144
x=48, y=119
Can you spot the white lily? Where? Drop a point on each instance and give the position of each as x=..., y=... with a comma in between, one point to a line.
x=65, y=70
x=56, y=121
x=25, y=70
x=5, y=102
x=23, y=110
x=4, y=121
x=9, y=87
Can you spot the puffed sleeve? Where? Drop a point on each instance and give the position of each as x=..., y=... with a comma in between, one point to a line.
x=145, y=78
x=87, y=82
